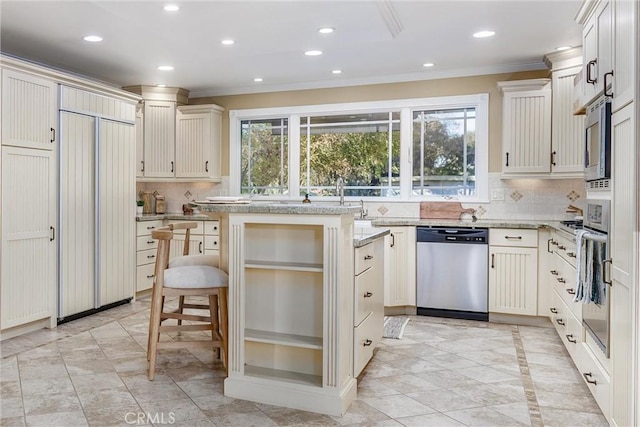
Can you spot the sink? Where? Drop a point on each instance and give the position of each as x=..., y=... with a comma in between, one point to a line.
x=362, y=223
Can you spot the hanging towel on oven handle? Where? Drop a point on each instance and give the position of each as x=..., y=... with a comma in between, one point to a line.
x=591, y=251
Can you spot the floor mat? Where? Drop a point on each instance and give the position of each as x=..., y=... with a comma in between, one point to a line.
x=394, y=326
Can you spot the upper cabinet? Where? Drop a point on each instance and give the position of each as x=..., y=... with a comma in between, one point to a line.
x=178, y=142
x=596, y=40
x=625, y=51
x=29, y=109
x=526, y=126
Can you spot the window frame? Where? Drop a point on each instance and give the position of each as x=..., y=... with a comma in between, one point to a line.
x=406, y=107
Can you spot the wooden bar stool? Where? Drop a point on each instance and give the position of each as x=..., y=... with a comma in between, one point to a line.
x=186, y=280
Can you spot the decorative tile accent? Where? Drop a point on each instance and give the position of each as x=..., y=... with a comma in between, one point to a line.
x=573, y=196
x=527, y=382
x=383, y=210
x=188, y=194
x=480, y=211
x=516, y=196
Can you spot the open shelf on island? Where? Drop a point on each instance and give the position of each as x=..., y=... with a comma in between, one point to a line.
x=286, y=376
x=279, y=265
x=291, y=340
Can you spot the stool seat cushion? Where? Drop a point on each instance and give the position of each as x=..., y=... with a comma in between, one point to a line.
x=210, y=260
x=195, y=276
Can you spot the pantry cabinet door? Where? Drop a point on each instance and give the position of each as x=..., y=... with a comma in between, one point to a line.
x=159, y=139
x=29, y=111
x=29, y=245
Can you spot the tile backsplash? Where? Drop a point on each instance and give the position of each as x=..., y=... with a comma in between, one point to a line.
x=528, y=199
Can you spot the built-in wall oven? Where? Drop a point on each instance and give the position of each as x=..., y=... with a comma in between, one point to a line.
x=597, y=140
x=593, y=275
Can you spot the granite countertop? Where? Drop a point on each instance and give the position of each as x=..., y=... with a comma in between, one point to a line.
x=480, y=223
x=174, y=216
x=364, y=236
x=280, y=208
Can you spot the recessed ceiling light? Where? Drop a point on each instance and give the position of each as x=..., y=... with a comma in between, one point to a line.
x=172, y=8
x=482, y=34
x=563, y=48
x=257, y=79
x=337, y=71
x=165, y=68
x=313, y=52
x=93, y=39
x=428, y=64
x=326, y=30
x=227, y=42
x=161, y=85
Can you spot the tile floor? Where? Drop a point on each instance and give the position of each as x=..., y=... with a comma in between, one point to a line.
x=442, y=372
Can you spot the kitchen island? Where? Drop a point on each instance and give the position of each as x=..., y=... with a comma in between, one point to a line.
x=291, y=303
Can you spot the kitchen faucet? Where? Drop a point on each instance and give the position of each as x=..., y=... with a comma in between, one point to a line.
x=340, y=189
x=363, y=211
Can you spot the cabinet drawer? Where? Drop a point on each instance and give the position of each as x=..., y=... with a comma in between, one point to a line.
x=558, y=314
x=365, y=257
x=596, y=377
x=211, y=242
x=145, y=227
x=565, y=249
x=146, y=242
x=194, y=231
x=212, y=227
x=144, y=277
x=146, y=257
x=573, y=336
x=513, y=237
x=365, y=337
x=364, y=295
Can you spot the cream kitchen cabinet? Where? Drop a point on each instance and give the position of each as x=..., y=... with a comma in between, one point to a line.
x=625, y=52
x=368, y=312
x=146, y=248
x=139, y=141
x=596, y=17
x=291, y=311
x=29, y=110
x=198, y=139
x=567, y=129
x=526, y=127
x=400, y=267
x=513, y=271
x=159, y=138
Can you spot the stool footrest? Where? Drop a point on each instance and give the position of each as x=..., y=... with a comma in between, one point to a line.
x=188, y=328
x=180, y=344
x=181, y=316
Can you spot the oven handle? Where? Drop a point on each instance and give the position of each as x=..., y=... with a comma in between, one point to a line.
x=604, y=271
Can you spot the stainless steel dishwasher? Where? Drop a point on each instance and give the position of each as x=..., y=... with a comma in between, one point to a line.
x=453, y=272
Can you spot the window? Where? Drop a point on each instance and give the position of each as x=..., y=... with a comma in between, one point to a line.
x=265, y=157
x=362, y=149
x=411, y=149
x=444, y=152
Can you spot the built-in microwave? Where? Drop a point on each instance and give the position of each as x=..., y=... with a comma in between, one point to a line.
x=597, y=147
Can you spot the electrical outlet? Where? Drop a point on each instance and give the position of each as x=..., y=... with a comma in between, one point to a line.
x=497, y=194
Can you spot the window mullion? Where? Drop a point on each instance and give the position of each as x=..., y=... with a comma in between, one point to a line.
x=294, y=156
x=405, y=153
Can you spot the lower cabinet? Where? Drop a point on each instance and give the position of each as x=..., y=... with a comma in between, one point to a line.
x=400, y=267
x=368, y=312
x=513, y=271
x=146, y=249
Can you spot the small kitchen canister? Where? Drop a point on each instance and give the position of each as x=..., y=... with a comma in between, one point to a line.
x=160, y=204
x=146, y=197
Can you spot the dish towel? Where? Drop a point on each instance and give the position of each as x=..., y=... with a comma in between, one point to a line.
x=590, y=287
x=581, y=260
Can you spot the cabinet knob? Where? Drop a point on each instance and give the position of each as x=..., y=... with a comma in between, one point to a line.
x=513, y=237
x=571, y=254
x=367, y=343
x=562, y=248
x=151, y=256
x=571, y=291
x=560, y=322
x=554, y=310
x=149, y=242
x=151, y=227
x=560, y=280
x=554, y=272
x=588, y=378
x=368, y=257
x=368, y=295
x=149, y=277
x=570, y=338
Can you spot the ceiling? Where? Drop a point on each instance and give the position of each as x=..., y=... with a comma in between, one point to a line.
x=373, y=42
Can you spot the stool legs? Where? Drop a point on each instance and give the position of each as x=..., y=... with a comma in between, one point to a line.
x=154, y=332
x=224, y=325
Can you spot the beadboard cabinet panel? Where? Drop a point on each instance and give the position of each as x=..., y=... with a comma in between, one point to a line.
x=159, y=139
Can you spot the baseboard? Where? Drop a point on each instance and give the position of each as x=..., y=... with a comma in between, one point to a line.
x=5, y=334
x=515, y=319
x=409, y=310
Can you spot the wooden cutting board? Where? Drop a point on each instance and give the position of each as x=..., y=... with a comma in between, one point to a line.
x=443, y=210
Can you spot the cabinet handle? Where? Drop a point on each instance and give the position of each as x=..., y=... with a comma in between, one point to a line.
x=367, y=343
x=610, y=74
x=172, y=166
x=571, y=254
x=513, y=237
x=606, y=278
x=393, y=240
x=200, y=247
x=553, y=310
x=53, y=135
x=553, y=158
x=590, y=64
x=554, y=272
x=571, y=291
x=493, y=260
x=368, y=295
x=549, y=243
x=150, y=242
x=151, y=256
x=571, y=339
x=142, y=169
x=150, y=227
x=206, y=166
x=149, y=277
x=507, y=164
x=560, y=322
x=587, y=377
x=562, y=248
x=215, y=228
x=560, y=279
x=368, y=257
x=53, y=234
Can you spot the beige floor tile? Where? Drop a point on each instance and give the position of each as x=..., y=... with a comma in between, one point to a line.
x=292, y=417
x=66, y=419
x=49, y=404
x=372, y=387
x=562, y=400
x=178, y=410
x=443, y=400
x=398, y=406
x=483, y=417
x=361, y=413
x=13, y=422
x=121, y=416
x=249, y=419
x=157, y=391
x=9, y=369
x=10, y=390
x=93, y=400
x=430, y=420
x=486, y=374
x=219, y=406
x=11, y=407
x=488, y=395
x=205, y=422
x=448, y=379
x=42, y=370
x=401, y=383
x=47, y=386
x=518, y=411
x=560, y=417
x=100, y=381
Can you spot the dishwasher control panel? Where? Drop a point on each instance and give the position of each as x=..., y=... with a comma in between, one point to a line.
x=453, y=235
